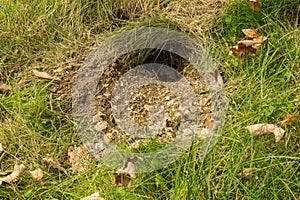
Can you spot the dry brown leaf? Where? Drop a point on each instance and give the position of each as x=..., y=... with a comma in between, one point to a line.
x=37, y=174
x=260, y=129
x=44, y=75
x=241, y=48
x=252, y=33
x=129, y=167
x=53, y=163
x=79, y=158
x=14, y=176
x=289, y=118
x=259, y=40
x=123, y=180
x=254, y=5
x=123, y=176
x=248, y=46
x=1, y=148
x=4, y=88
x=253, y=43
x=94, y=196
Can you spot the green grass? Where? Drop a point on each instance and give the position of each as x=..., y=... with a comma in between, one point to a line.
x=260, y=89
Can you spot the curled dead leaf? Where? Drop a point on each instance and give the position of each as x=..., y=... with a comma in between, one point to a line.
x=37, y=174
x=94, y=196
x=44, y=75
x=53, y=163
x=14, y=176
x=261, y=129
x=254, y=5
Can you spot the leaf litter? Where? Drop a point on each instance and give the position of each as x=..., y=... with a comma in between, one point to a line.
x=45, y=75
x=262, y=129
x=14, y=176
x=127, y=173
x=251, y=46
x=79, y=158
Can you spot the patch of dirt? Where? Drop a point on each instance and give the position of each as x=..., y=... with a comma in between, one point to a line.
x=147, y=96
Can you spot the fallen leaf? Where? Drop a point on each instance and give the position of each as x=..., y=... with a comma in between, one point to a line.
x=123, y=176
x=241, y=48
x=253, y=43
x=53, y=163
x=123, y=180
x=37, y=174
x=79, y=158
x=94, y=196
x=258, y=41
x=248, y=46
x=289, y=118
x=260, y=129
x=44, y=75
x=14, y=176
x=254, y=5
x=4, y=88
x=129, y=167
x=252, y=33
x=1, y=148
